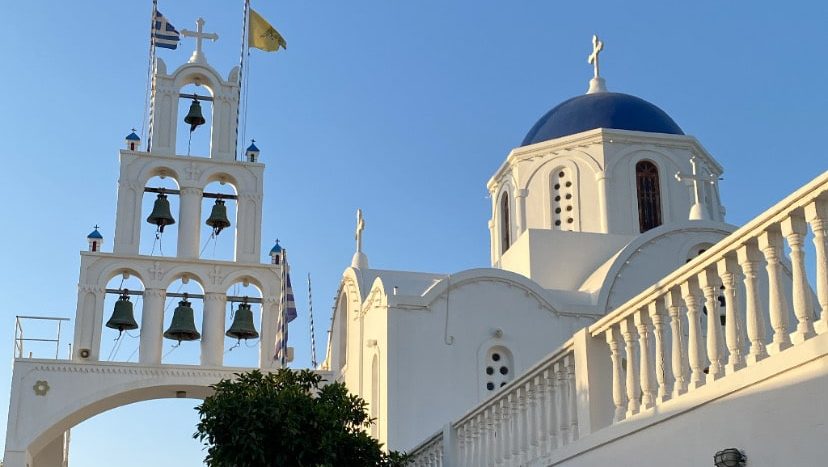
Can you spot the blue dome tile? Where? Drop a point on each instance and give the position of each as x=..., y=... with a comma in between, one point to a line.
x=601, y=110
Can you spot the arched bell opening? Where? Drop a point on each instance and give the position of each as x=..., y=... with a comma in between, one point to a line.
x=123, y=305
x=195, y=120
x=219, y=208
x=243, y=324
x=94, y=439
x=159, y=216
x=183, y=314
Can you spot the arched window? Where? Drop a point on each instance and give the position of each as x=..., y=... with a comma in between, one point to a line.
x=498, y=368
x=505, y=225
x=375, y=389
x=562, y=189
x=649, y=195
x=342, y=309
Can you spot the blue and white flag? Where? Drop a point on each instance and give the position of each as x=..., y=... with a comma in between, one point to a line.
x=290, y=304
x=287, y=313
x=164, y=34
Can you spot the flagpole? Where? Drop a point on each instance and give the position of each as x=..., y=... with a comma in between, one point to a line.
x=282, y=351
x=148, y=119
x=312, y=330
x=245, y=19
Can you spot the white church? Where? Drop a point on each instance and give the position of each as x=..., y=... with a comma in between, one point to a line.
x=622, y=322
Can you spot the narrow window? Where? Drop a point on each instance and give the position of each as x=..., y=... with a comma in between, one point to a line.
x=562, y=189
x=375, y=389
x=505, y=226
x=343, y=331
x=498, y=368
x=649, y=196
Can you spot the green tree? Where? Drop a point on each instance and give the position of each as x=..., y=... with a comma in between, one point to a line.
x=288, y=418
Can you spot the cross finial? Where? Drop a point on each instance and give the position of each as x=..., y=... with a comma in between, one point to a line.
x=597, y=47
x=359, y=228
x=199, y=35
x=96, y=227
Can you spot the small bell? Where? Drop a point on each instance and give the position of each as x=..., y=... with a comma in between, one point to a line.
x=243, y=326
x=194, y=116
x=122, y=317
x=161, y=215
x=218, y=217
x=182, y=327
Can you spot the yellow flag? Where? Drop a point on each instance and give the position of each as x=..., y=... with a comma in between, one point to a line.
x=262, y=35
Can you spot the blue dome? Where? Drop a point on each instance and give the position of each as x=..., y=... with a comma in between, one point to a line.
x=601, y=110
x=276, y=249
x=133, y=137
x=94, y=235
x=252, y=147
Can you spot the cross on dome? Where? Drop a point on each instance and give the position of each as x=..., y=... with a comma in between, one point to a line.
x=199, y=35
x=596, y=84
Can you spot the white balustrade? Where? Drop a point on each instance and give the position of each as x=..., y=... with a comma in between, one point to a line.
x=653, y=349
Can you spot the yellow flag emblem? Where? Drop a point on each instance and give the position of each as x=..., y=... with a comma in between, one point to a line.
x=262, y=35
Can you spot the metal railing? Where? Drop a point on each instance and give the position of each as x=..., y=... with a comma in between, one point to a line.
x=20, y=339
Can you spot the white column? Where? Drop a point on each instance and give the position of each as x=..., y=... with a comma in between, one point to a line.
x=695, y=350
x=715, y=343
x=643, y=326
x=248, y=222
x=817, y=213
x=794, y=229
x=617, y=382
x=678, y=342
x=561, y=403
x=770, y=243
x=152, y=326
x=573, y=397
x=662, y=371
x=553, y=440
x=128, y=216
x=212, y=329
x=267, y=332
x=749, y=260
x=601, y=179
x=630, y=336
x=189, y=221
x=734, y=321
x=520, y=221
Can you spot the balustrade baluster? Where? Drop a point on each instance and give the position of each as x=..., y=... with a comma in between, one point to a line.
x=508, y=428
x=794, y=229
x=551, y=408
x=657, y=315
x=617, y=383
x=561, y=389
x=643, y=325
x=523, y=419
x=462, y=445
x=709, y=282
x=817, y=213
x=695, y=351
x=678, y=339
x=573, y=397
x=749, y=260
x=491, y=437
x=517, y=431
x=633, y=389
x=770, y=242
x=734, y=324
x=499, y=432
x=536, y=411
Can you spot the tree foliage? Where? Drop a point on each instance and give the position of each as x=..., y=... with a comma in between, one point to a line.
x=287, y=418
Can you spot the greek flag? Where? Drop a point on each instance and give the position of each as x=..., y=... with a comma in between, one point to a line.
x=164, y=34
x=290, y=305
x=287, y=313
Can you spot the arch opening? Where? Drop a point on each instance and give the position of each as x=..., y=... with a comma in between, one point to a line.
x=184, y=351
x=221, y=245
x=197, y=142
x=648, y=192
x=152, y=241
x=245, y=352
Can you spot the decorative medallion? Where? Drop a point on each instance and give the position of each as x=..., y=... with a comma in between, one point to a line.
x=41, y=388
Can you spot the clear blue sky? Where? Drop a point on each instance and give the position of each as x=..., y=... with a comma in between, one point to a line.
x=401, y=108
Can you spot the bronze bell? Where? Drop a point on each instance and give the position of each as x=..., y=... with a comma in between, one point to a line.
x=218, y=217
x=194, y=116
x=182, y=327
x=243, y=326
x=161, y=215
x=122, y=317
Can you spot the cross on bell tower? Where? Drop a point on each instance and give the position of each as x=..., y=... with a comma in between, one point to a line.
x=199, y=35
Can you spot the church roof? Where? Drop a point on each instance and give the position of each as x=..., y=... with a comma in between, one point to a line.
x=276, y=249
x=601, y=110
x=95, y=234
x=253, y=147
x=133, y=137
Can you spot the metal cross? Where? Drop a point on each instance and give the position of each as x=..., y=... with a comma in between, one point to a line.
x=360, y=227
x=96, y=227
x=695, y=178
x=597, y=47
x=199, y=35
